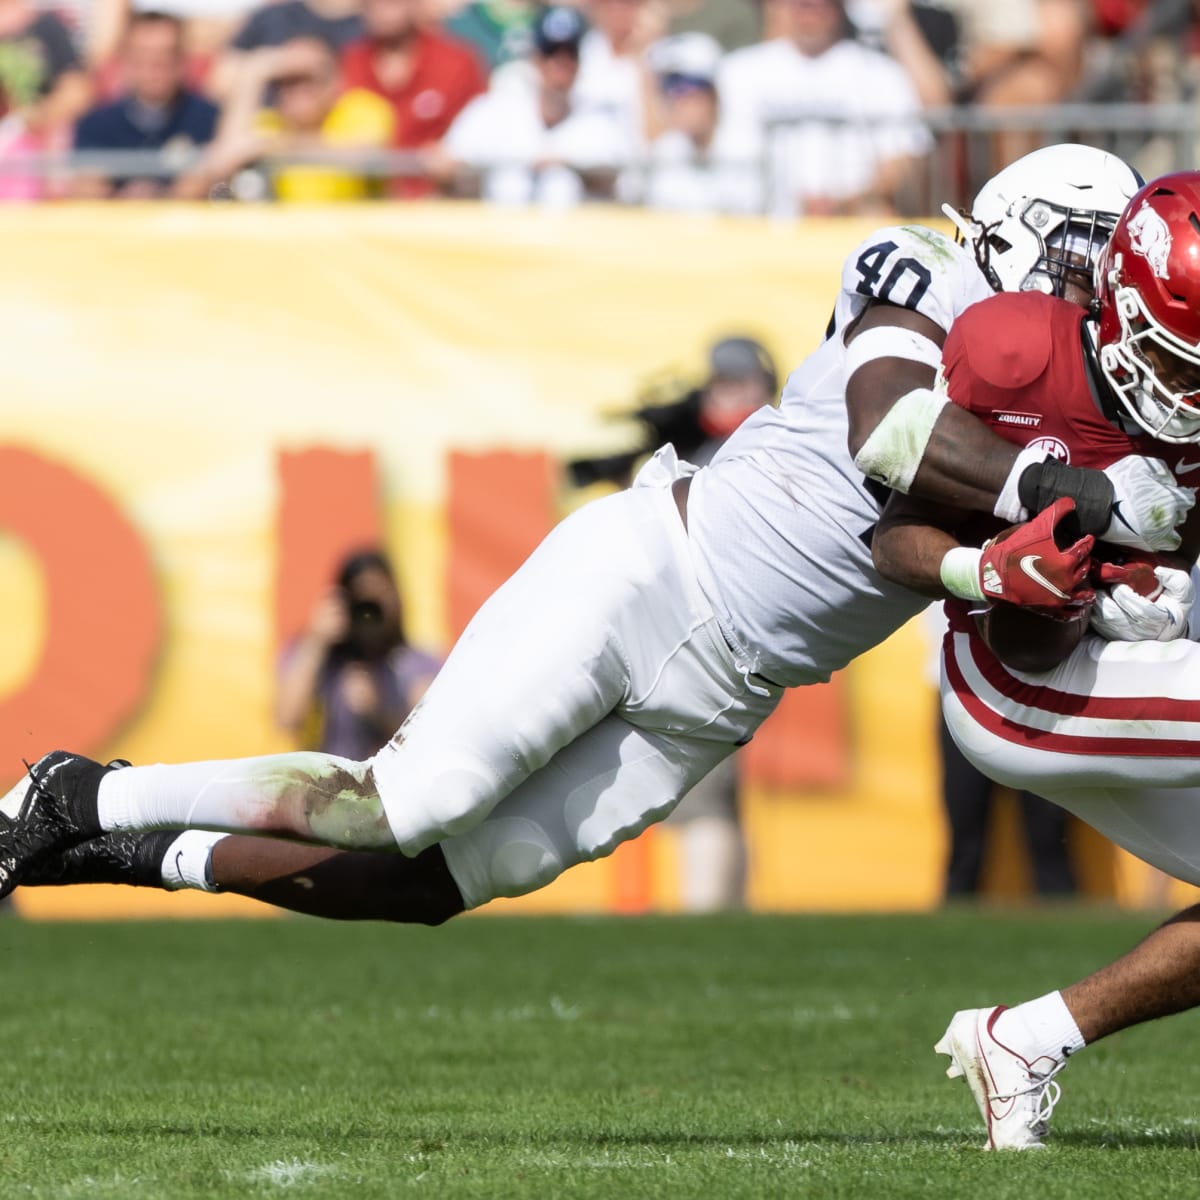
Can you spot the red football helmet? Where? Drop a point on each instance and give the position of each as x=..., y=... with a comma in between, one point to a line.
x=1148, y=288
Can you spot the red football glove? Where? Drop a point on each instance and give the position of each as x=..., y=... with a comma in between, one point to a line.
x=1026, y=565
x=1137, y=572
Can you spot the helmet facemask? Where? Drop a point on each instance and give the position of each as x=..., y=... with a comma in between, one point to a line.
x=1038, y=246
x=1154, y=374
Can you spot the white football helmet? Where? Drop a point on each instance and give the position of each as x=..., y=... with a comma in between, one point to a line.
x=1044, y=219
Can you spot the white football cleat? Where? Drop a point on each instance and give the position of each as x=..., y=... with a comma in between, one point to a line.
x=1015, y=1096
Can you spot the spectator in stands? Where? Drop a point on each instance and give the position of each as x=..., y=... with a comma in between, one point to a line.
x=348, y=682
x=426, y=77
x=1024, y=52
x=614, y=75
x=733, y=23
x=43, y=87
x=156, y=112
x=519, y=145
x=338, y=22
x=838, y=123
x=690, y=167
x=500, y=30
x=312, y=111
x=1141, y=52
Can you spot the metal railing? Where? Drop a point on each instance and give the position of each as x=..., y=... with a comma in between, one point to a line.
x=969, y=145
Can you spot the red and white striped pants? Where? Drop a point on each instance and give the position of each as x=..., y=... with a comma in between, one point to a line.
x=1112, y=735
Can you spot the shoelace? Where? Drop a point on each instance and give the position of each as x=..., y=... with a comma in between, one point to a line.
x=1046, y=1091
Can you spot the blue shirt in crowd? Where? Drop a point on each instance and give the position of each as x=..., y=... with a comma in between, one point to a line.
x=127, y=124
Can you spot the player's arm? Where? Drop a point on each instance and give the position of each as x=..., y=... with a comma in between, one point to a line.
x=902, y=429
x=1041, y=564
x=904, y=432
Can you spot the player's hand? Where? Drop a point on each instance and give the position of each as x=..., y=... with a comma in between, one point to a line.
x=1147, y=504
x=1124, y=614
x=1027, y=566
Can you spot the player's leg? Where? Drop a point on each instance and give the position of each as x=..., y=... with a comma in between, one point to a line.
x=344, y=885
x=711, y=845
x=967, y=800
x=1046, y=837
x=1010, y=1056
x=1112, y=715
x=1159, y=977
x=604, y=788
x=315, y=880
x=542, y=661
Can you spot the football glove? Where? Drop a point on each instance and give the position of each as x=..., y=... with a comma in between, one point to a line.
x=1027, y=566
x=1122, y=613
x=1147, y=504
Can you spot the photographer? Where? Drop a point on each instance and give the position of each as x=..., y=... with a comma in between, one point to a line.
x=696, y=421
x=349, y=680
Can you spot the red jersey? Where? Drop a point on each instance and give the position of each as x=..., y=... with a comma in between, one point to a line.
x=1017, y=361
x=446, y=75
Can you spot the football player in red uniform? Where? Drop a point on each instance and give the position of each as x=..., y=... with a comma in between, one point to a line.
x=1110, y=731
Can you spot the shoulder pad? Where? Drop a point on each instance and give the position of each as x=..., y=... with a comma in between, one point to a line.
x=1007, y=340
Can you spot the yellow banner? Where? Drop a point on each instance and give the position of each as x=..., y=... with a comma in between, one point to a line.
x=163, y=366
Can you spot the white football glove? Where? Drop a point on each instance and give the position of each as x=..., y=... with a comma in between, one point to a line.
x=1147, y=504
x=1123, y=615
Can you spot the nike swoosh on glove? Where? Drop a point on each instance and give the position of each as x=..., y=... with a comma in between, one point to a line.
x=1026, y=565
x=1147, y=504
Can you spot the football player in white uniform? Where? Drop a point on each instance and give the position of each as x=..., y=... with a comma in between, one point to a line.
x=1106, y=729
x=652, y=631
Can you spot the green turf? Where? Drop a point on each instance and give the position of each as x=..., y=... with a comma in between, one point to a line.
x=728, y=1057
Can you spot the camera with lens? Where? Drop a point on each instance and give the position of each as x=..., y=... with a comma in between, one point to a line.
x=670, y=413
x=367, y=635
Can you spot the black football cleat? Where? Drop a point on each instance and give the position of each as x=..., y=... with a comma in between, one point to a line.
x=41, y=815
x=128, y=857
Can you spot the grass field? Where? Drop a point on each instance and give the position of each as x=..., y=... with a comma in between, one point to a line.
x=724, y=1057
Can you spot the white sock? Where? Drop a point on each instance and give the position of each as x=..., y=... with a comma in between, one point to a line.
x=237, y=795
x=1041, y=1028
x=187, y=862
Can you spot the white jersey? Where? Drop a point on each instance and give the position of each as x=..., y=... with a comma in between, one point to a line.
x=781, y=521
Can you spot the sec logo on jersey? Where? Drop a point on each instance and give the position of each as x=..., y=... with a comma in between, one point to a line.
x=1052, y=446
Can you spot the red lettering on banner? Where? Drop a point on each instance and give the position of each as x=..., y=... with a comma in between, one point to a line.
x=329, y=506
x=805, y=743
x=103, y=616
x=500, y=507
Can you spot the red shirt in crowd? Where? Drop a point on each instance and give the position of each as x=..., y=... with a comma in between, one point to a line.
x=446, y=75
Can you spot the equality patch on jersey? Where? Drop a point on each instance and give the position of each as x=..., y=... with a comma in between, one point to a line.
x=1022, y=420
x=1150, y=236
x=1010, y=346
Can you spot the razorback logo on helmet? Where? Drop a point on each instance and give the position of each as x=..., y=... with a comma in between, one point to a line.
x=1150, y=237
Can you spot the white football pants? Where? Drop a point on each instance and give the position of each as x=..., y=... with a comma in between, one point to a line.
x=589, y=693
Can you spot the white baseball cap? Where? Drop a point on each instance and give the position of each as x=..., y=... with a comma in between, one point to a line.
x=691, y=56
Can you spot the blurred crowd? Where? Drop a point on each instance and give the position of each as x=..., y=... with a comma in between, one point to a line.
x=781, y=106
